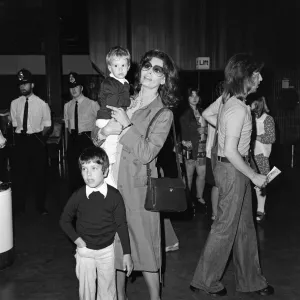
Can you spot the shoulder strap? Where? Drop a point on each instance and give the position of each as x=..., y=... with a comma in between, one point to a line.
x=154, y=119
x=174, y=137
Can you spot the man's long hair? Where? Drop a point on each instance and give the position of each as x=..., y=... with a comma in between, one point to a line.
x=238, y=75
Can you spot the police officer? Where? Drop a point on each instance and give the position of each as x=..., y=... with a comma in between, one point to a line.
x=80, y=116
x=31, y=120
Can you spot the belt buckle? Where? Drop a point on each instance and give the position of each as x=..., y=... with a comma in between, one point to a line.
x=219, y=158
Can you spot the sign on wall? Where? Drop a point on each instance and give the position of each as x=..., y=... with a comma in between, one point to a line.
x=202, y=63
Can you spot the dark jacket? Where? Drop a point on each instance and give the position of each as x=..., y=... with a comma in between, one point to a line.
x=188, y=129
x=113, y=93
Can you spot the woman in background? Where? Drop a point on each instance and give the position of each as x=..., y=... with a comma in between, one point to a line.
x=265, y=137
x=193, y=129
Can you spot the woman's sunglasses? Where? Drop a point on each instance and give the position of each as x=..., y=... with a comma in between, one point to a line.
x=157, y=70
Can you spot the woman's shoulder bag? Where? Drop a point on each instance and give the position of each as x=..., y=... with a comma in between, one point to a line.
x=165, y=194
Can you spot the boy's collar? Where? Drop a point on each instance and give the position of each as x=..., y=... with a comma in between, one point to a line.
x=121, y=80
x=102, y=189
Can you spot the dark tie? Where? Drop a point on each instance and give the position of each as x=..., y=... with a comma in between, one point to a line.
x=25, y=116
x=76, y=117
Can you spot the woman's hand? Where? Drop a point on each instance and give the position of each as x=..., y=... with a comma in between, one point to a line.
x=201, y=130
x=187, y=144
x=112, y=127
x=120, y=115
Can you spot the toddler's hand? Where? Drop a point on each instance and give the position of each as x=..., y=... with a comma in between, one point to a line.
x=127, y=264
x=80, y=243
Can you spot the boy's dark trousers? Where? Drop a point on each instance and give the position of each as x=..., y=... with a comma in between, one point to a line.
x=29, y=164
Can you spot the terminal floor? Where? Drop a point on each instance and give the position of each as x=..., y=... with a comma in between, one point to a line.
x=44, y=262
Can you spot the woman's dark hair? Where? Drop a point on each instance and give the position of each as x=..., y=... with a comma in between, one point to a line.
x=190, y=91
x=238, y=75
x=96, y=155
x=260, y=107
x=185, y=107
x=168, y=90
x=219, y=89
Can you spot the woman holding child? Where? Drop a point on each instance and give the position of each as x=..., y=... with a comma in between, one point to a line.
x=155, y=88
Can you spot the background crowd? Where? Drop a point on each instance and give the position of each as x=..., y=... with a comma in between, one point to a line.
x=156, y=86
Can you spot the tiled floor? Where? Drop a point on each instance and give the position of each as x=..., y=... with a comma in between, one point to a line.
x=44, y=262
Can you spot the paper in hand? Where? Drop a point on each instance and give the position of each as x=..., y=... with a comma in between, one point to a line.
x=272, y=174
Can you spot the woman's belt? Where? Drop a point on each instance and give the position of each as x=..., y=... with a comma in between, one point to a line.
x=226, y=160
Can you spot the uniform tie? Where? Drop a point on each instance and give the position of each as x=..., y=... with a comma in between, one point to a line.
x=25, y=116
x=76, y=117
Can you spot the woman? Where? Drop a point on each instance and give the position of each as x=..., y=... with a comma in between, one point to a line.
x=156, y=85
x=193, y=129
x=265, y=137
x=233, y=229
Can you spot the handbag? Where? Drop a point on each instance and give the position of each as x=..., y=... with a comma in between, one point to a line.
x=165, y=194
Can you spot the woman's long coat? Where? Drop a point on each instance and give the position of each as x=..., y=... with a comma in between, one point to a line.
x=144, y=226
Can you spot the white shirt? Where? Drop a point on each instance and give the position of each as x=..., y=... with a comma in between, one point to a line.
x=102, y=189
x=87, y=114
x=235, y=120
x=38, y=114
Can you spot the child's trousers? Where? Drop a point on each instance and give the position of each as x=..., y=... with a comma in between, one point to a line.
x=92, y=265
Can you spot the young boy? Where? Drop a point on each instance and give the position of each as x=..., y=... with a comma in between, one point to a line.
x=100, y=213
x=114, y=92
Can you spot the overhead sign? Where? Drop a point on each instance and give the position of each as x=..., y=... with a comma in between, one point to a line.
x=202, y=63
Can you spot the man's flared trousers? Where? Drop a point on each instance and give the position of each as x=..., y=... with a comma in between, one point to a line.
x=233, y=230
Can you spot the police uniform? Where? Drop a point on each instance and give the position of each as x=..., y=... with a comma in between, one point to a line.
x=80, y=137
x=30, y=115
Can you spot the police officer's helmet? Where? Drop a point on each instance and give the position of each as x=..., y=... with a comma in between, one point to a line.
x=74, y=80
x=24, y=76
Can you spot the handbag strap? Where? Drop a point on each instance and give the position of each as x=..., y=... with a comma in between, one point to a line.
x=174, y=137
